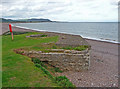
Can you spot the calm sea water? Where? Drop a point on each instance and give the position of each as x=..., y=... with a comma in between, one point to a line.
x=99, y=31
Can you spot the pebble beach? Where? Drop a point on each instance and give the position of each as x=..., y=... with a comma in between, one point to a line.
x=103, y=71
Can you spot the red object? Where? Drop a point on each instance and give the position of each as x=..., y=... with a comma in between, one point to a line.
x=10, y=27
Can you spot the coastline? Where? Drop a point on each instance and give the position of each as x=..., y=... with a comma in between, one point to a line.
x=90, y=38
x=105, y=41
x=103, y=71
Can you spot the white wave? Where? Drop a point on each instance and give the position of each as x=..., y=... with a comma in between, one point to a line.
x=99, y=39
x=104, y=40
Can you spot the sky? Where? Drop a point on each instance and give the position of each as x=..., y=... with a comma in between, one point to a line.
x=61, y=10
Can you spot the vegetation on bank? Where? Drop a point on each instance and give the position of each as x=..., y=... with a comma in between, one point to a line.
x=21, y=71
x=0, y=61
x=45, y=47
x=60, y=80
x=79, y=48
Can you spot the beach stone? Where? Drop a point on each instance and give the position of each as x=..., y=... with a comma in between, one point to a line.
x=72, y=64
x=63, y=37
x=66, y=60
x=56, y=50
x=27, y=36
x=37, y=35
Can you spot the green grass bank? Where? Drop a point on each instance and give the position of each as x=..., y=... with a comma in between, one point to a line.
x=20, y=71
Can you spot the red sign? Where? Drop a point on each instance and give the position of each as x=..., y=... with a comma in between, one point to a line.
x=10, y=27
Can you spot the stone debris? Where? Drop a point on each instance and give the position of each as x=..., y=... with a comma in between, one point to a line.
x=37, y=35
x=66, y=60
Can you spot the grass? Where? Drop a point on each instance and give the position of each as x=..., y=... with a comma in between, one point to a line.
x=46, y=65
x=79, y=48
x=0, y=61
x=15, y=33
x=45, y=47
x=37, y=61
x=19, y=70
x=63, y=81
x=44, y=70
x=60, y=80
x=57, y=70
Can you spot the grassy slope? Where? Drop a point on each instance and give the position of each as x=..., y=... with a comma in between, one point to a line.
x=0, y=61
x=18, y=70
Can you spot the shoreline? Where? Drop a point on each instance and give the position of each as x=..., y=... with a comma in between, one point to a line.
x=103, y=41
x=89, y=38
x=103, y=70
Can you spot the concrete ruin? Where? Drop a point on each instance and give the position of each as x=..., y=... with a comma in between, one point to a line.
x=66, y=60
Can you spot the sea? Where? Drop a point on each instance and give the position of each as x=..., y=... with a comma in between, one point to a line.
x=103, y=31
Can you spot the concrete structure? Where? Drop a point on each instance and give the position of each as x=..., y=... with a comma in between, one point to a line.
x=66, y=60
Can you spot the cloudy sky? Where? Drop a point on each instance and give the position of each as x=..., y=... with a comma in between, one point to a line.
x=62, y=10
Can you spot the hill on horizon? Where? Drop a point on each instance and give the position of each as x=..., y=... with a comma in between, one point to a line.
x=25, y=20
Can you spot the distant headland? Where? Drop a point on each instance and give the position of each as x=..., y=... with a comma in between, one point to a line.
x=32, y=20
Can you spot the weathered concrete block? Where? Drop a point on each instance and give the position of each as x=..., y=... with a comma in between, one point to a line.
x=66, y=60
